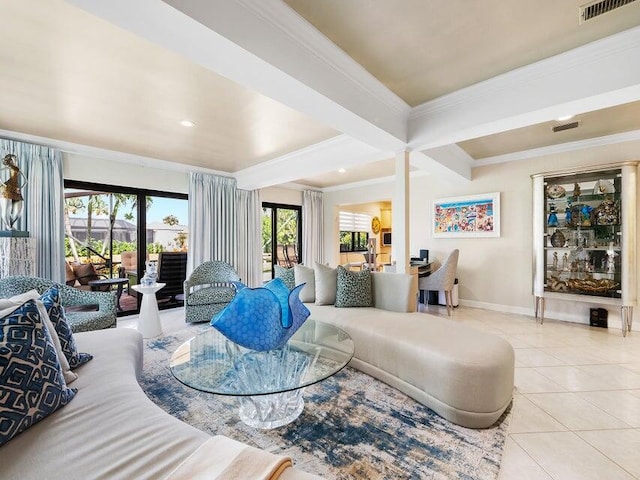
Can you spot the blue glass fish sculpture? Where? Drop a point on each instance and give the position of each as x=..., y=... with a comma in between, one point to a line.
x=262, y=318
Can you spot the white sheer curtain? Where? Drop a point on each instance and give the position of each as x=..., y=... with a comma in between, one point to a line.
x=43, y=214
x=312, y=227
x=249, y=215
x=212, y=220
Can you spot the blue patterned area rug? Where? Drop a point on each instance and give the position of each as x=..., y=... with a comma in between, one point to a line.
x=352, y=426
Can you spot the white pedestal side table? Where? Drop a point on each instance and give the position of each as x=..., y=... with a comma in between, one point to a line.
x=149, y=318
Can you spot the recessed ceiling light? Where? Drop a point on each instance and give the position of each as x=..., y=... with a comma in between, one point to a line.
x=187, y=123
x=342, y=170
x=564, y=118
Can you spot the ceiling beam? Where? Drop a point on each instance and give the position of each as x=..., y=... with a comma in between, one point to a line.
x=267, y=47
x=450, y=162
x=338, y=152
x=600, y=74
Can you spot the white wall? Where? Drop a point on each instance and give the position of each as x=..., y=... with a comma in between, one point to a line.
x=494, y=273
x=109, y=172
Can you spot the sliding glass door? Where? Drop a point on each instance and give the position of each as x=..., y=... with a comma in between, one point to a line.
x=281, y=237
x=111, y=232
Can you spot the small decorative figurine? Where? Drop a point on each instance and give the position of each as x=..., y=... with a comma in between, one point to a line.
x=555, y=260
x=565, y=261
x=553, y=217
x=576, y=190
x=11, y=200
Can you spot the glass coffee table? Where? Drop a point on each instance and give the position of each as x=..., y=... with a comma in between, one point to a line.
x=270, y=384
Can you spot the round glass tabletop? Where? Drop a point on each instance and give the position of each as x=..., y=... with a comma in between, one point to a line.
x=211, y=363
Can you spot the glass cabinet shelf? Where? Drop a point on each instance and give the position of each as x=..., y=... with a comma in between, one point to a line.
x=580, y=240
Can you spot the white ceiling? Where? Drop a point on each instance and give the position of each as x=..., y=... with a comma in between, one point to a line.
x=281, y=95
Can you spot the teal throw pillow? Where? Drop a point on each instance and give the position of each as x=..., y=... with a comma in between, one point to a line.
x=353, y=288
x=33, y=385
x=287, y=275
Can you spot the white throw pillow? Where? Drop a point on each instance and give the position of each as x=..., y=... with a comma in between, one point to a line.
x=8, y=305
x=326, y=279
x=305, y=275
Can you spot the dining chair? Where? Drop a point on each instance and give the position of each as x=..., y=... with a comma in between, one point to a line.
x=443, y=279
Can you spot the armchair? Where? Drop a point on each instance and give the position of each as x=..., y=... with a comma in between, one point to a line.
x=443, y=279
x=80, y=321
x=208, y=290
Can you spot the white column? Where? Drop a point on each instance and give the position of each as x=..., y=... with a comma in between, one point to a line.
x=400, y=214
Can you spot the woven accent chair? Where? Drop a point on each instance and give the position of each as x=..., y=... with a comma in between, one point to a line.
x=443, y=279
x=208, y=290
x=80, y=321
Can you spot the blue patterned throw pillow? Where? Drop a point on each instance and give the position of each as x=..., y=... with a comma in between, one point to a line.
x=354, y=288
x=286, y=275
x=31, y=382
x=51, y=300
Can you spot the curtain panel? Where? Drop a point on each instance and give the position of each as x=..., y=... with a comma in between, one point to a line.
x=249, y=216
x=43, y=213
x=312, y=227
x=212, y=220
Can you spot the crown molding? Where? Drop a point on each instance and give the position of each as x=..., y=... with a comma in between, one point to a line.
x=559, y=148
x=111, y=155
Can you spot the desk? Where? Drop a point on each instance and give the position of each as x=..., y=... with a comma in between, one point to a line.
x=109, y=282
x=149, y=318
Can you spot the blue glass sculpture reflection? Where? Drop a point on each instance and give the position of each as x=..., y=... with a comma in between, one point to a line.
x=262, y=318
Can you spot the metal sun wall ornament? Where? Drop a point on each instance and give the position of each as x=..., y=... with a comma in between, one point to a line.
x=262, y=318
x=11, y=200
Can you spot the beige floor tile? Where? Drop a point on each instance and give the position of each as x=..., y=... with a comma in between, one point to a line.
x=574, y=412
x=634, y=367
x=635, y=393
x=540, y=340
x=573, y=356
x=618, y=376
x=518, y=342
x=574, y=379
x=535, y=357
x=565, y=456
x=620, y=404
x=528, y=418
x=528, y=380
x=516, y=464
x=621, y=446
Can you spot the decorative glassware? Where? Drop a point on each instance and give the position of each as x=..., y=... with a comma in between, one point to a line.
x=262, y=318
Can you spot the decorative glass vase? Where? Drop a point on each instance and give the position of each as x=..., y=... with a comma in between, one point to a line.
x=262, y=318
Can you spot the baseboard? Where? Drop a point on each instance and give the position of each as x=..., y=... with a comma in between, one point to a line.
x=614, y=321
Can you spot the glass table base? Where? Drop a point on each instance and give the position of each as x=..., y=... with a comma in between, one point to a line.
x=271, y=411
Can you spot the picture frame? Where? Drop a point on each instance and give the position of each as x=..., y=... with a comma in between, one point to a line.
x=470, y=216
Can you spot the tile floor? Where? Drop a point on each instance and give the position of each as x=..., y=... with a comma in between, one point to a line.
x=576, y=411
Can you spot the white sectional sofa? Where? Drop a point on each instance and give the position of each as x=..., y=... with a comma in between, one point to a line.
x=111, y=430
x=463, y=374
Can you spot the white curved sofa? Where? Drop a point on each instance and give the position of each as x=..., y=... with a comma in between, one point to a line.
x=463, y=374
x=111, y=430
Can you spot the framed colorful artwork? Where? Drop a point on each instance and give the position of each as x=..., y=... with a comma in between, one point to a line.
x=468, y=216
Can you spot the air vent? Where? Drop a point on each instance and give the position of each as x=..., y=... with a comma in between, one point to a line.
x=592, y=10
x=566, y=126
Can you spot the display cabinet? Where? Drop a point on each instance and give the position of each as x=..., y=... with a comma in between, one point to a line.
x=585, y=238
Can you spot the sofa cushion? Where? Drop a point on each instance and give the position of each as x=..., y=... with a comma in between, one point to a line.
x=287, y=275
x=326, y=284
x=55, y=311
x=30, y=373
x=305, y=275
x=353, y=288
x=85, y=272
x=209, y=295
x=70, y=276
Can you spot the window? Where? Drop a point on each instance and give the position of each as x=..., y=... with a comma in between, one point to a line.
x=354, y=231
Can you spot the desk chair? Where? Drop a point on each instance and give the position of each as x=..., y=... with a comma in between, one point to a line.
x=443, y=279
